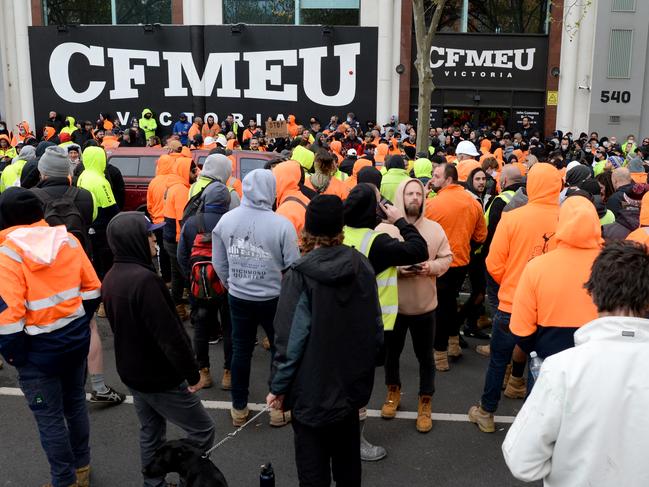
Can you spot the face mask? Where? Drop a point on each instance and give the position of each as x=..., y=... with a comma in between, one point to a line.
x=2, y=127
x=564, y=147
x=631, y=141
x=349, y=119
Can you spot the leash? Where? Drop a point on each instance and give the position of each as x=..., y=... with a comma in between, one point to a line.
x=229, y=436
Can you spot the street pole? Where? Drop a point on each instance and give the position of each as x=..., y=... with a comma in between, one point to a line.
x=297, y=12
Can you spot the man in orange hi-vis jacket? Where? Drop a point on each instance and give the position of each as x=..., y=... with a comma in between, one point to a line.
x=48, y=294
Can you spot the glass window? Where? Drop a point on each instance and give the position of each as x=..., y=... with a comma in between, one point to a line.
x=143, y=11
x=201, y=161
x=619, y=53
x=58, y=12
x=128, y=166
x=337, y=12
x=498, y=16
x=330, y=16
x=247, y=164
x=148, y=166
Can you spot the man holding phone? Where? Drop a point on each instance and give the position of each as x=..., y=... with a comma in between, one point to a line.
x=417, y=303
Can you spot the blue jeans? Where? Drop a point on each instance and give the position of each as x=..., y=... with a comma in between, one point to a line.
x=246, y=317
x=502, y=347
x=58, y=403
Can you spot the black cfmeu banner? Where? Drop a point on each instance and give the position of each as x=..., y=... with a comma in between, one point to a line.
x=251, y=72
x=489, y=61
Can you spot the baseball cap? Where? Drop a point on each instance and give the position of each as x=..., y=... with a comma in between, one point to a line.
x=150, y=226
x=352, y=152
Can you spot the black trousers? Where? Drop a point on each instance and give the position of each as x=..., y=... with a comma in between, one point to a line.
x=102, y=256
x=448, y=321
x=335, y=448
x=422, y=331
x=474, y=306
x=177, y=278
x=163, y=257
x=205, y=318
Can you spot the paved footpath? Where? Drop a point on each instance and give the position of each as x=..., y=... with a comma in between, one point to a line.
x=454, y=453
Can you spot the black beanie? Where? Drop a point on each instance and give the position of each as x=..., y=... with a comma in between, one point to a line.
x=19, y=206
x=395, y=162
x=324, y=216
x=370, y=175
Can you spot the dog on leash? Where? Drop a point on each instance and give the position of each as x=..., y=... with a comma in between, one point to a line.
x=185, y=458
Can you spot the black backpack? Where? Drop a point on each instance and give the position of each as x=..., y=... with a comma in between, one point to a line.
x=194, y=205
x=62, y=210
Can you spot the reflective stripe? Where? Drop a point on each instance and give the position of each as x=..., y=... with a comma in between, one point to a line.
x=390, y=281
x=11, y=328
x=53, y=300
x=72, y=242
x=95, y=293
x=56, y=325
x=389, y=310
x=11, y=253
x=365, y=243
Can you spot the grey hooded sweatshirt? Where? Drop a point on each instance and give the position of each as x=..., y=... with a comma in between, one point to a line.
x=218, y=167
x=251, y=245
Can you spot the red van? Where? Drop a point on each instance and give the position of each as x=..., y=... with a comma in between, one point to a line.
x=138, y=165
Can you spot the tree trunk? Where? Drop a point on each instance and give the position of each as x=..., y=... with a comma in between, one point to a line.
x=426, y=87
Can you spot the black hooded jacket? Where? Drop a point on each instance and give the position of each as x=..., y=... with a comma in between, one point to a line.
x=328, y=332
x=30, y=176
x=360, y=212
x=152, y=349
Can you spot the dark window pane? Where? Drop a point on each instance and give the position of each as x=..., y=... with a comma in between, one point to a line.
x=59, y=12
x=126, y=165
x=143, y=12
x=508, y=16
x=147, y=166
x=247, y=164
x=330, y=16
x=259, y=11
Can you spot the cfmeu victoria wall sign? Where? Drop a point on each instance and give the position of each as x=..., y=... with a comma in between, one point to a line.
x=250, y=71
x=489, y=61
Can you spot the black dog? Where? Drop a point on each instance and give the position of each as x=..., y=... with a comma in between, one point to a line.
x=185, y=458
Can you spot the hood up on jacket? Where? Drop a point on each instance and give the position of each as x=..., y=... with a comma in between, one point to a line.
x=40, y=148
x=485, y=146
x=288, y=175
x=423, y=168
x=145, y=111
x=360, y=207
x=259, y=189
x=579, y=224
x=165, y=165
x=544, y=184
x=216, y=198
x=401, y=190
x=27, y=154
x=217, y=166
x=38, y=243
x=128, y=239
x=94, y=160
x=330, y=266
x=181, y=170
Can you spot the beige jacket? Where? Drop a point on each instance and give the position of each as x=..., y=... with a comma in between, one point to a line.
x=418, y=294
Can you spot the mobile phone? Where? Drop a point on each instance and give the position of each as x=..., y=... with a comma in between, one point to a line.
x=415, y=267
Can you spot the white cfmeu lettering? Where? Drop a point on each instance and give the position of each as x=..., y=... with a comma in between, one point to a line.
x=520, y=59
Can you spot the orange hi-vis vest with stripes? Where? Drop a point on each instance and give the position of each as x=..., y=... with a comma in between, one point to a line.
x=46, y=276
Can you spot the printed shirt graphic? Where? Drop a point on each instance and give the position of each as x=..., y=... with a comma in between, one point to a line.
x=248, y=259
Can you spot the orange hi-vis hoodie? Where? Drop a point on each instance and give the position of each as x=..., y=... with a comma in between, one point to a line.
x=465, y=167
x=641, y=234
x=158, y=186
x=337, y=147
x=292, y=127
x=551, y=302
x=462, y=219
x=526, y=232
x=287, y=176
x=352, y=181
x=381, y=152
x=176, y=198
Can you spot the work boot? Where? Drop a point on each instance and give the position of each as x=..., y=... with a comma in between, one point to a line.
x=482, y=418
x=83, y=476
x=369, y=452
x=484, y=350
x=265, y=343
x=226, y=380
x=279, y=418
x=441, y=361
x=101, y=311
x=391, y=404
x=206, y=377
x=516, y=388
x=424, y=420
x=239, y=416
x=182, y=312
x=508, y=372
x=454, y=350
x=484, y=322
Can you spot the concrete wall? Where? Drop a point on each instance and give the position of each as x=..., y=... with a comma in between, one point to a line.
x=633, y=119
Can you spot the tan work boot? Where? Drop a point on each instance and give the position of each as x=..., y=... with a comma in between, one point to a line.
x=441, y=361
x=424, y=420
x=239, y=416
x=391, y=404
x=101, y=311
x=279, y=418
x=508, y=372
x=83, y=476
x=454, y=349
x=226, y=380
x=182, y=312
x=516, y=388
x=484, y=322
x=206, y=377
x=265, y=343
x=482, y=418
x=484, y=350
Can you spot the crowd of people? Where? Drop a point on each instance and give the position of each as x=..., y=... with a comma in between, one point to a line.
x=344, y=242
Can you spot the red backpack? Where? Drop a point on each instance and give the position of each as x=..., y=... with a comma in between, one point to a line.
x=204, y=283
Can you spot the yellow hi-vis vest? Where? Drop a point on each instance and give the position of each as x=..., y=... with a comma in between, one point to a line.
x=361, y=239
x=506, y=196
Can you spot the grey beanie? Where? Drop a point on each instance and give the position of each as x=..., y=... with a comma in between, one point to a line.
x=54, y=162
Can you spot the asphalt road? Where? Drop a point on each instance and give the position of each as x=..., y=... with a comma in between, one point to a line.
x=454, y=453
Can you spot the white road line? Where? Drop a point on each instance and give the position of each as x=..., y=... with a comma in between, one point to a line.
x=373, y=413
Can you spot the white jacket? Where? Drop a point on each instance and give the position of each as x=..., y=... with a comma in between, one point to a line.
x=586, y=422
